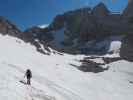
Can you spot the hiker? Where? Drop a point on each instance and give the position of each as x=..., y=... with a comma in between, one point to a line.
x=28, y=75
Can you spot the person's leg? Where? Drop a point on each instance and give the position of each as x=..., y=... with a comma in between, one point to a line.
x=28, y=81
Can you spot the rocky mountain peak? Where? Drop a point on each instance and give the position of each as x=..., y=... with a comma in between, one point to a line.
x=34, y=29
x=100, y=10
x=7, y=27
x=128, y=12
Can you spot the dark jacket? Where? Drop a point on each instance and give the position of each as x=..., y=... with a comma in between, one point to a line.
x=28, y=74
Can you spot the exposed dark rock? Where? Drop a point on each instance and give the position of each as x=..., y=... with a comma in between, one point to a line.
x=90, y=66
x=7, y=27
x=127, y=18
x=126, y=50
x=38, y=33
x=57, y=23
x=108, y=60
x=92, y=57
x=128, y=12
x=131, y=82
x=100, y=10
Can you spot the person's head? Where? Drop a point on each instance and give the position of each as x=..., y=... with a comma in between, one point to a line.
x=28, y=70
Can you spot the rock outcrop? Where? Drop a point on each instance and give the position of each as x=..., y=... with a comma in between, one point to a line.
x=7, y=27
x=126, y=51
x=127, y=46
x=128, y=12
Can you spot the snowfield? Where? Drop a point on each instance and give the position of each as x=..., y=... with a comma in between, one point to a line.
x=55, y=79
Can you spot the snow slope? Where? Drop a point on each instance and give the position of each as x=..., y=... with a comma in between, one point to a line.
x=55, y=79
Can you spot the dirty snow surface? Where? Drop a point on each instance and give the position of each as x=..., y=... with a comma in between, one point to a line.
x=55, y=79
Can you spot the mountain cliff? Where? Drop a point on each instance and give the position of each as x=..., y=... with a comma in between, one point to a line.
x=6, y=27
x=127, y=46
x=72, y=31
x=82, y=31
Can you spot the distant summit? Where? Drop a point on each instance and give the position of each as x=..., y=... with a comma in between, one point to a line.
x=100, y=10
x=128, y=12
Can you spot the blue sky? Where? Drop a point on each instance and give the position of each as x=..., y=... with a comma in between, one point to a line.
x=26, y=13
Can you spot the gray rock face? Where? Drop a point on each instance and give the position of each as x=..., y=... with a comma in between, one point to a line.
x=100, y=11
x=80, y=27
x=128, y=12
x=86, y=24
x=83, y=25
x=38, y=33
x=37, y=36
x=126, y=51
x=127, y=46
x=7, y=27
